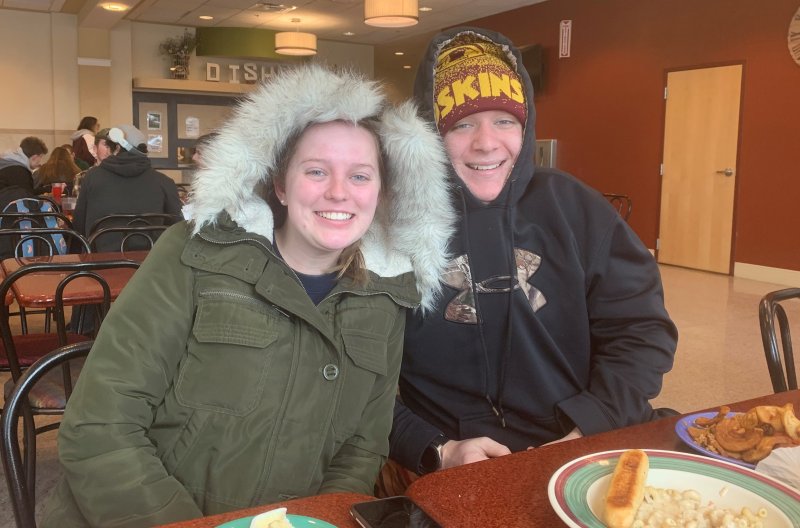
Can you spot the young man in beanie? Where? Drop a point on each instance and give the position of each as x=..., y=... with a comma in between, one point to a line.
x=552, y=324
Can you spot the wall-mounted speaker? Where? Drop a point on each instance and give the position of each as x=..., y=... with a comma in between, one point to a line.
x=533, y=61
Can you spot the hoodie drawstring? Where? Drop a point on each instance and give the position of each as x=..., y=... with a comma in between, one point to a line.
x=497, y=409
x=505, y=359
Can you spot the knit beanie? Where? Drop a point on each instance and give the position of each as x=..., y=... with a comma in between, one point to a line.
x=474, y=75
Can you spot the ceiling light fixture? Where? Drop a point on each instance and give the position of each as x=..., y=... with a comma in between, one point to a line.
x=391, y=13
x=296, y=42
x=271, y=7
x=426, y=9
x=114, y=6
x=206, y=17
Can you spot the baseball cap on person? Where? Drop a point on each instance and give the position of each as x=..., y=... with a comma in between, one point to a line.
x=133, y=135
x=102, y=134
x=474, y=75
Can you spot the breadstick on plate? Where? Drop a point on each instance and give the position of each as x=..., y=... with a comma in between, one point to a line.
x=626, y=491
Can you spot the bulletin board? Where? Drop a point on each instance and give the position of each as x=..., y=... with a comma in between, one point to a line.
x=172, y=122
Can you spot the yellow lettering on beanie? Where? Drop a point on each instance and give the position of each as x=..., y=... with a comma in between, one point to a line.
x=485, y=84
x=463, y=89
x=517, y=94
x=501, y=84
x=444, y=103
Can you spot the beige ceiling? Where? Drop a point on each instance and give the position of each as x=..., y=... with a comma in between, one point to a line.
x=329, y=19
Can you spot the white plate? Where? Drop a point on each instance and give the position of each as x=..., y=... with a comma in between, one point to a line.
x=577, y=489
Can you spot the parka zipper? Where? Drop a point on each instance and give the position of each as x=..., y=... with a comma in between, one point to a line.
x=242, y=297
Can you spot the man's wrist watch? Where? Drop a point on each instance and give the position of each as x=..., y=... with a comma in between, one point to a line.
x=432, y=457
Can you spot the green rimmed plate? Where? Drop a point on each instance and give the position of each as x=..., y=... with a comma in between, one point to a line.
x=298, y=521
x=577, y=489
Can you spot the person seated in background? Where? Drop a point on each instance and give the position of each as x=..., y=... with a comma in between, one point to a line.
x=553, y=324
x=16, y=169
x=124, y=183
x=103, y=146
x=83, y=142
x=202, y=144
x=60, y=167
x=197, y=157
x=254, y=356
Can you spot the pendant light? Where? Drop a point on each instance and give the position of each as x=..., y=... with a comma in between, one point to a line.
x=295, y=42
x=391, y=13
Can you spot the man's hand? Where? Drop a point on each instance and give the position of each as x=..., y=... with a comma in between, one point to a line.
x=572, y=435
x=458, y=452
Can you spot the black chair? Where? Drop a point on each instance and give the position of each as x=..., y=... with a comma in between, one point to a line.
x=35, y=219
x=770, y=309
x=145, y=219
x=20, y=487
x=52, y=201
x=142, y=237
x=21, y=352
x=43, y=241
x=622, y=203
x=20, y=242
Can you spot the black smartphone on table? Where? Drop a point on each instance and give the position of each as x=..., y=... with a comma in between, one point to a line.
x=392, y=512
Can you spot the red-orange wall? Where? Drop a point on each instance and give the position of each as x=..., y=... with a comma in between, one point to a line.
x=605, y=103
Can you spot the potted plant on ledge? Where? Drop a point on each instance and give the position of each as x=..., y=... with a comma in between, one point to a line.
x=179, y=49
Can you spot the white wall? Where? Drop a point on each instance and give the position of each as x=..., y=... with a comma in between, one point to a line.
x=36, y=49
x=40, y=94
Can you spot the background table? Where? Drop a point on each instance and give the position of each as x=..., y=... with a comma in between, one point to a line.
x=37, y=290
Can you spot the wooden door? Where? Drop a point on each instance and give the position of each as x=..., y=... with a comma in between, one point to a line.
x=701, y=135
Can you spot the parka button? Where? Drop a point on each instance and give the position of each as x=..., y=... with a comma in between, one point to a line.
x=330, y=372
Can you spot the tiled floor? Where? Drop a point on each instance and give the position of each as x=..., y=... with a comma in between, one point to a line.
x=720, y=358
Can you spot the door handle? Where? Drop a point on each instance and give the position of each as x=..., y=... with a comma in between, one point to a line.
x=727, y=171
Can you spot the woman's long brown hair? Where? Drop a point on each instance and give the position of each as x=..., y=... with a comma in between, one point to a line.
x=59, y=167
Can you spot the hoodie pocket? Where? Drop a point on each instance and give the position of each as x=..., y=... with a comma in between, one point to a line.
x=228, y=354
x=366, y=360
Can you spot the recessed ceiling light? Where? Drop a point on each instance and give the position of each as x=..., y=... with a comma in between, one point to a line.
x=114, y=6
x=398, y=53
x=206, y=17
x=407, y=67
x=426, y=9
x=348, y=34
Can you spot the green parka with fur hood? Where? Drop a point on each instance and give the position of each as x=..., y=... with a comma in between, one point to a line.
x=215, y=383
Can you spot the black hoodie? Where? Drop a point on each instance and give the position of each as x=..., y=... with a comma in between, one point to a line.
x=123, y=184
x=582, y=339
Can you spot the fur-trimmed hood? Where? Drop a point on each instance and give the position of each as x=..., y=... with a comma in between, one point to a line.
x=245, y=155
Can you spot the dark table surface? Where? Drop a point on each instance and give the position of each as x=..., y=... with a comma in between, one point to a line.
x=509, y=491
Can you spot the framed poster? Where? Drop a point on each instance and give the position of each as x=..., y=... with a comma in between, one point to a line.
x=155, y=143
x=153, y=120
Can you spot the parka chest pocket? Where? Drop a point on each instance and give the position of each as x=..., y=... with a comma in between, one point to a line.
x=367, y=354
x=228, y=355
